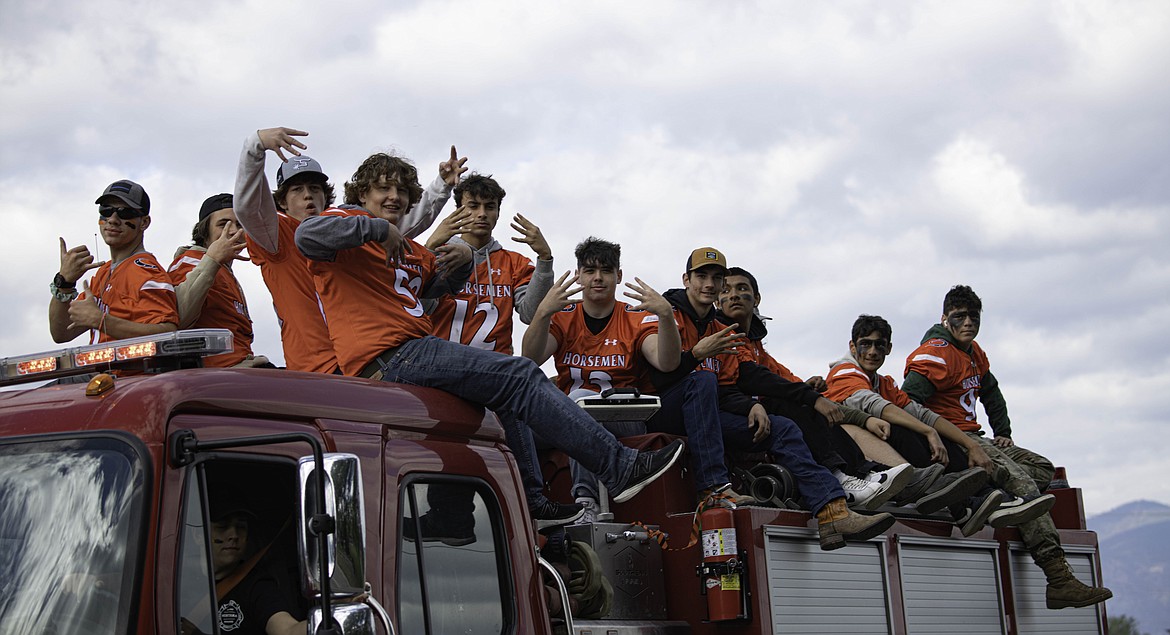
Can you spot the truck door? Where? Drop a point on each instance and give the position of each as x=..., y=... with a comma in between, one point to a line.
x=231, y=550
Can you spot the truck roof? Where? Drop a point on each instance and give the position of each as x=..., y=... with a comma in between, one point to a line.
x=143, y=404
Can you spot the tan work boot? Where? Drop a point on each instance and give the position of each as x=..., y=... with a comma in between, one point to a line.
x=722, y=495
x=837, y=523
x=1065, y=590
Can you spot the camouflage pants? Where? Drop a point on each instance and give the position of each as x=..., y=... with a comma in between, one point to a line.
x=1020, y=477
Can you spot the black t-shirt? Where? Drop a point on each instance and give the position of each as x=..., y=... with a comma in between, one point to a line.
x=245, y=610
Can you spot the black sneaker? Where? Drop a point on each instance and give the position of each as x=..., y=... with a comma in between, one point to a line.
x=647, y=467
x=549, y=514
x=921, y=480
x=952, y=488
x=972, y=517
x=451, y=532
x=1016, y=510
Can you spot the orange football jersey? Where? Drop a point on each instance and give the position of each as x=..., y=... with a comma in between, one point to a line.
x=610, y=359
x=303, y=332
x=481, y=314
x=224, y=308
x=368, y=306
x=725, y=366
x=138, y=289
x=956, y=377
x=848, y=378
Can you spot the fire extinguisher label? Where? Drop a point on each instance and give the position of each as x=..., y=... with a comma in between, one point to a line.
x=719, y=542
x=729, y=582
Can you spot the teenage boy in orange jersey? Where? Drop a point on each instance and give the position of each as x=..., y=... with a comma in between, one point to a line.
x=372, y=282
x=599, y=342
x=480, y=315
x=271, y=218
x=855, y=378
x=130, y=295
x=832, y=446
x=209, y=294
x=712, y=359
x=949, y=373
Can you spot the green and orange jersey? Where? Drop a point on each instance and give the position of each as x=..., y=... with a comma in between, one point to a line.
x=368, y=306
x=611, y=358
x=138, y=289
x=480, y=315
x=847, y=378
x=224, y=308
x=303, y=332
x=957, y=377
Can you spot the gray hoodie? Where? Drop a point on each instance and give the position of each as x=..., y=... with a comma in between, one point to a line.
x=873, y=403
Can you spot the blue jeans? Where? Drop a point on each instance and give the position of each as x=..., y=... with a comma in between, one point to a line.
x=817, y=485
x=691, y=408
x=525, y=402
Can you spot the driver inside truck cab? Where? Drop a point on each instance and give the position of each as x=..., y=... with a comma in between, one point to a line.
x=252, y=595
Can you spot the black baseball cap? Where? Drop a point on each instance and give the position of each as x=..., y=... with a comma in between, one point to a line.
x=215, y=203
x=129, y=193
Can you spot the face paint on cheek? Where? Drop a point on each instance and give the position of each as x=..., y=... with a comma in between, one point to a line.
x=130, y=225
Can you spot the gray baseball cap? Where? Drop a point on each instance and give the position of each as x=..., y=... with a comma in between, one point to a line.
x=129, y=193
x=297, y=166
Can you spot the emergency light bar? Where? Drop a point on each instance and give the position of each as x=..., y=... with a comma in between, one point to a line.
x=136, y=352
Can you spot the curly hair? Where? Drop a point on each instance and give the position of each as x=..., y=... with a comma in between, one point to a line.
x=281, y=192
x=381, y=165
x=596, y=252
x=962, y=297
x=481, y=186
x=866, y=324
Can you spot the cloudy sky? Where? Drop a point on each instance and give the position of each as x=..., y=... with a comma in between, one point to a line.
x=856, y=156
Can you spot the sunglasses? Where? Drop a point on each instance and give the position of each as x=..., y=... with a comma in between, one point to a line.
x=881, y=346
x=125, y=213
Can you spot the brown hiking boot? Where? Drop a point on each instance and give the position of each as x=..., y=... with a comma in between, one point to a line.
x=1065, y=590
x=837, y=523
x=722, y=495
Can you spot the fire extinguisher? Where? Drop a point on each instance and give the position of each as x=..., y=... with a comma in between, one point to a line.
x=722, y=571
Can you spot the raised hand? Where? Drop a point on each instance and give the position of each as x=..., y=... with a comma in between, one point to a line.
x=531, y=236
x=450, y=226
x=718, y=344
x=451, y=170
x=557, y=297
x=228, y=245
x=280, y=139
x=648, y=299
x=76, y=261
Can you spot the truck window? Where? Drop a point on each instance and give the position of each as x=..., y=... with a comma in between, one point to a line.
x=248, y=506
x=453, y=579
x=70, y=520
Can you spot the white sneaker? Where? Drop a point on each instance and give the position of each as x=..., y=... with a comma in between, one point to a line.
x=590, y=508
x=889, y=483
x=858, y=492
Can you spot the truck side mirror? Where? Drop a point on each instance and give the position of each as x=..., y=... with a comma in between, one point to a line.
x=347, y=544
x=354, y=619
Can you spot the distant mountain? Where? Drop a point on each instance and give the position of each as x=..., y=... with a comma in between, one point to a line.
x=1135, y=562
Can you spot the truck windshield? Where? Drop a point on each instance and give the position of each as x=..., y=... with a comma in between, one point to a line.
x=69, y=516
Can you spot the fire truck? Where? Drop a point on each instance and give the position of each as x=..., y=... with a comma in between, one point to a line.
x=398, y=509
